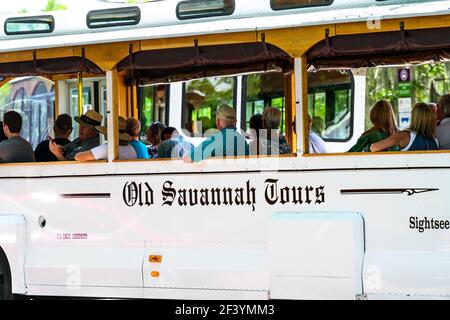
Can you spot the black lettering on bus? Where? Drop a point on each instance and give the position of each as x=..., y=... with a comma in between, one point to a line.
x=168, y=193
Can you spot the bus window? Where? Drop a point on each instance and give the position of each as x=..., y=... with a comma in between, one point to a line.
x=330, y=104
x=201, y=98
x=292, y=4
x=192, y=9
x=29, y=25
x=263, y=90
x=94, y=98
x=153, y=105
x=87, y=100
x=33, y=98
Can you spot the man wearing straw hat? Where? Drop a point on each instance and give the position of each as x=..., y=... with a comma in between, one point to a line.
x=87, y=138
x=126, y=151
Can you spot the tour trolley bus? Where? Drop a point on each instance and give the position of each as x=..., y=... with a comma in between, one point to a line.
x=298, y=226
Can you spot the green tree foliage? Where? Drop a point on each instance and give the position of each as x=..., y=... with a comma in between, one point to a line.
x=216, y=90
x=429, y=82
x=4, y=94
x=54, y=5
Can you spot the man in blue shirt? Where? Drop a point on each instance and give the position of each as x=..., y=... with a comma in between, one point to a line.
x=227, y=142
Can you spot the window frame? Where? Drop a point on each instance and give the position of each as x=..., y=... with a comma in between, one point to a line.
x=31, y=19
x=244, y=101
x=204, y=15
x=140, y=100
x=352, y=107
x=131, y=22
x=183, y=99
x=274, y=6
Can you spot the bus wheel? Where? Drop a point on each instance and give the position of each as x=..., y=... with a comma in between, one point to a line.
x=5, y=278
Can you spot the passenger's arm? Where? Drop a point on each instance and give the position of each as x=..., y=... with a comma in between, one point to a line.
x=57, y=150
x=84, y=156
x=397, y=139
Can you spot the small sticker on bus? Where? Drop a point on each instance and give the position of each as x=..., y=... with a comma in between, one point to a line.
x=71, y=236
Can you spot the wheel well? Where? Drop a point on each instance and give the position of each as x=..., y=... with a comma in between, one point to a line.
x=3, y=255
x=4, y=266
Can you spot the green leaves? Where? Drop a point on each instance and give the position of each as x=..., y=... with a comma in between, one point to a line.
x=53, y=5
x=429, y=81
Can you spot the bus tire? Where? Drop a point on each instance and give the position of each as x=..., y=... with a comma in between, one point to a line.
x=5, y=278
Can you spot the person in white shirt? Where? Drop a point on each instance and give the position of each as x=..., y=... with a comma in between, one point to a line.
x=316, y=144
x=126, y=151
x=443, y=129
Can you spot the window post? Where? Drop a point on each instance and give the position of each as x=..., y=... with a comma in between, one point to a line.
x=290, y=106
x=301, y=110
x=112, y=114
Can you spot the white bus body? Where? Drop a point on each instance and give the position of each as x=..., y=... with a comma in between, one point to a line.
x=305, y=227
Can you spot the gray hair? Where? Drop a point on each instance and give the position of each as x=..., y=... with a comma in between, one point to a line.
x=272, y=118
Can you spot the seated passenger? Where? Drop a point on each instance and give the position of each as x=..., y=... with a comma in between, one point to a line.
x=16, y=148
x=255, y=124
x=2, y=134
x=419, y=136
x=316, y=143
x=154, y=138
x=434, y=107
x=384, y=124
x=133, y=128
x=443, y=129
x=173, y=145
x=62, y=129
x=270, y=141
x=167, y=133
x=87, y=137
x=126, y=151
x=227, y=142
x=318, y=125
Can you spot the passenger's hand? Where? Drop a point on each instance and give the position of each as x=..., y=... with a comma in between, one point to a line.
x=56, y=149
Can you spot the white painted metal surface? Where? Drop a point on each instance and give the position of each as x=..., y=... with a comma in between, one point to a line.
x=159, y=21
x=13, y=241
x=227, y=247
x=316, y=255
x=104, y=219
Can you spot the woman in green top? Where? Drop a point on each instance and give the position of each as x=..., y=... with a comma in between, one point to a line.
x=384, y=125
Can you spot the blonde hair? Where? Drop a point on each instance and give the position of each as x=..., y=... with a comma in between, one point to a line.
x=382, y=117
x=271, y=118
x=423, y=120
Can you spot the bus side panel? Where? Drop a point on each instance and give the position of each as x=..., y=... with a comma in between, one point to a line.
x=406, y=229
x=88, y=240
x=316, y=255
x=13, y=241
x=208, y=235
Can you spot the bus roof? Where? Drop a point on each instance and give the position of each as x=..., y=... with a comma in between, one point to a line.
x=159, y=20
